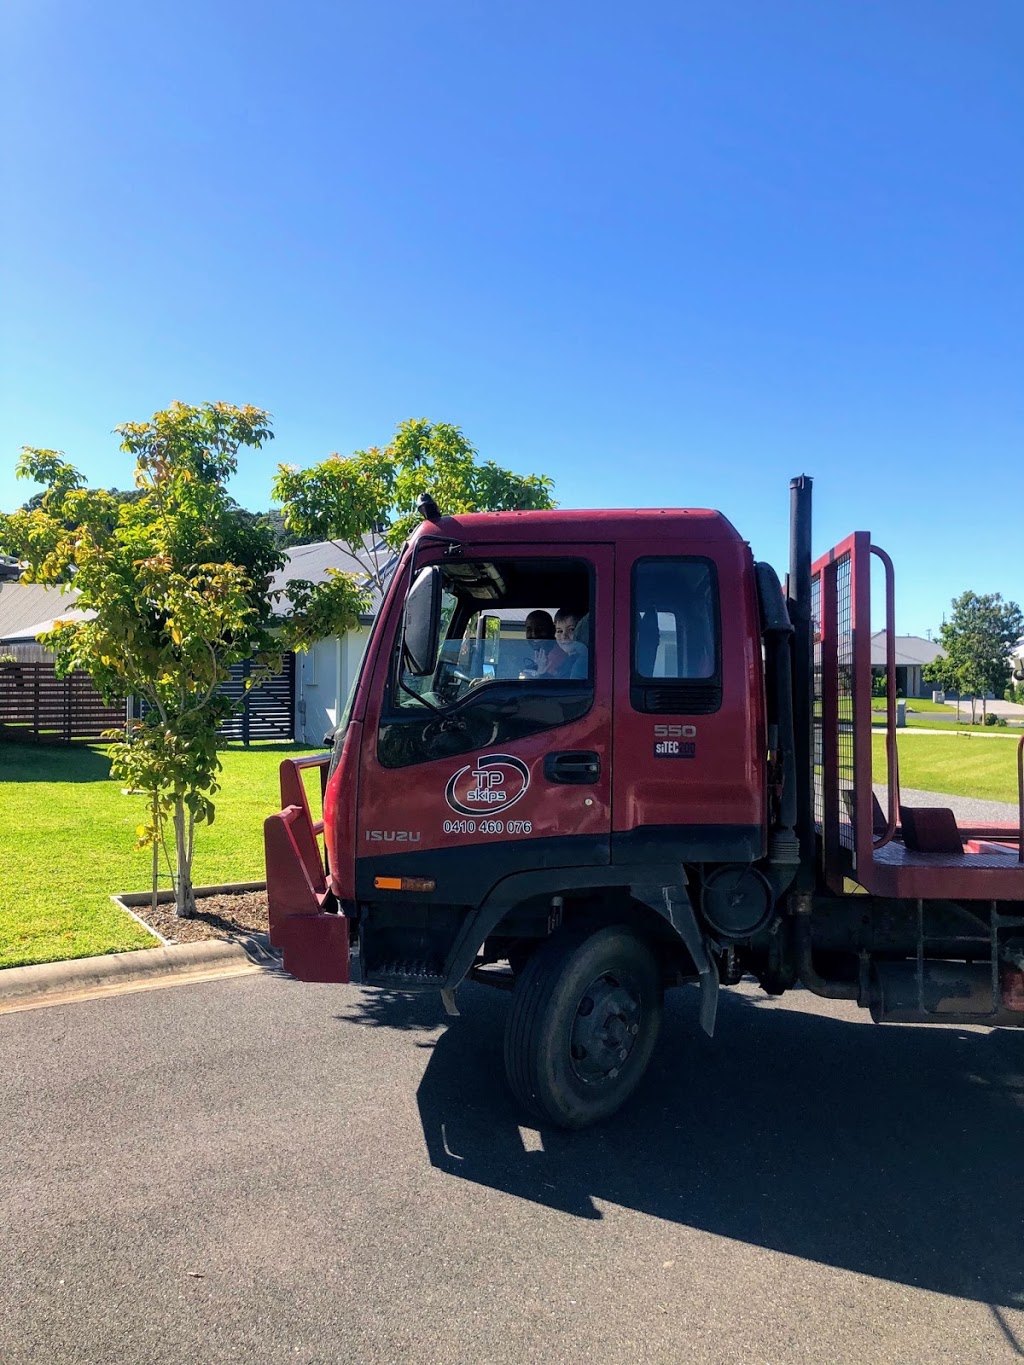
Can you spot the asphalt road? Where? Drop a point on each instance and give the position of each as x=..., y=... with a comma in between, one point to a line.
x=258, y=1170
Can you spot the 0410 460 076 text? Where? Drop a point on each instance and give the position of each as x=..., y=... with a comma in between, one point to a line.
x=488, y=827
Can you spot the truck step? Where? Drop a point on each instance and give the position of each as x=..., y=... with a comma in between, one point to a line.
x=414, y=974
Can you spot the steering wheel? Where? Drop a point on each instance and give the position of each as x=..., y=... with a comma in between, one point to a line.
x=451, y=672
x=458, y=734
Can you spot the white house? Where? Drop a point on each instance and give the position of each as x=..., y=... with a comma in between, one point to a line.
x=326, y=672
x=913, y=655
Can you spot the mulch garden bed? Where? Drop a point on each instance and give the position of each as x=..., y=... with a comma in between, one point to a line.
x=240, y=914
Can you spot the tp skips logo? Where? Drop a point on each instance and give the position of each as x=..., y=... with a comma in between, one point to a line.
x=497, y=782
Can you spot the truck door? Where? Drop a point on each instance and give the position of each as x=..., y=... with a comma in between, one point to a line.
x=498, y=760
x=689, y=780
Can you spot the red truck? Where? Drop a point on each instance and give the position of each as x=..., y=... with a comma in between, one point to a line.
x=681, y=794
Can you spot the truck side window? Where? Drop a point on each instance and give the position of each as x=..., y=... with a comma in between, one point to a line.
x=676, y=638
x=501, y=674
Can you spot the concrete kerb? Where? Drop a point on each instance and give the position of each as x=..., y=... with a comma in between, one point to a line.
x=87, y=978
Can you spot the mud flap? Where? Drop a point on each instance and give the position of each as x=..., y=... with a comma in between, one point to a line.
x=315, y=947
x=679, y=913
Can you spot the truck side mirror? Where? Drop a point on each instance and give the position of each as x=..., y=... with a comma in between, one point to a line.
x=422, y=622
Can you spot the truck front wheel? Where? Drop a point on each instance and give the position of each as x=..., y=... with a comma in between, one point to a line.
x=583, y=1024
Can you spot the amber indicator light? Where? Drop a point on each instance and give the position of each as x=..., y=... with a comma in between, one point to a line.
x=404, y=884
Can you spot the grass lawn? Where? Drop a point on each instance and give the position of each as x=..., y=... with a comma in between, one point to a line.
x=916, y=704
x=68, y=846
x=934, y=715
x=929, y=724
x=967, y=765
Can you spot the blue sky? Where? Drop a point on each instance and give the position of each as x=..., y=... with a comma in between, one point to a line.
x=668, y=253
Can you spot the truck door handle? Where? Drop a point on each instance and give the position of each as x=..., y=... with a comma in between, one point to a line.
x=575, y=765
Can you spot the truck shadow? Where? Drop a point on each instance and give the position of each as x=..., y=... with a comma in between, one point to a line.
x=890, y=1151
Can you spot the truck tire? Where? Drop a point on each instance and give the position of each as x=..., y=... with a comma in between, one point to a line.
x=584, y=1020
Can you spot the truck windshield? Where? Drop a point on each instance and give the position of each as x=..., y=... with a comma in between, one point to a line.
x=513, y=656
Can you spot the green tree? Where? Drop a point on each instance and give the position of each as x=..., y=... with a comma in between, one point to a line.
x=369, y=497
x=117, y=494
x=284, y=538
x=274, y=520
x=977, y=639
x=179, y=588
x=942, y=674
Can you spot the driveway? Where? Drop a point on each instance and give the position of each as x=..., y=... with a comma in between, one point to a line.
x=258, y=1170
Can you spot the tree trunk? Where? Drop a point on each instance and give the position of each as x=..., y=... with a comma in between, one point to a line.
x=184, y=900
x=157, y=841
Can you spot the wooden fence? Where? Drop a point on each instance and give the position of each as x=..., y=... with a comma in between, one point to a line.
x=35, y=704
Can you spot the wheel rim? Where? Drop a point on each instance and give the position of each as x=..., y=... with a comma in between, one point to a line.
x=605, y=1028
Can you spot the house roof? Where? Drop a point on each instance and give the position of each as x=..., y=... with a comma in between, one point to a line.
x=910, y=650
x=29, y=609
x=311, y=562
